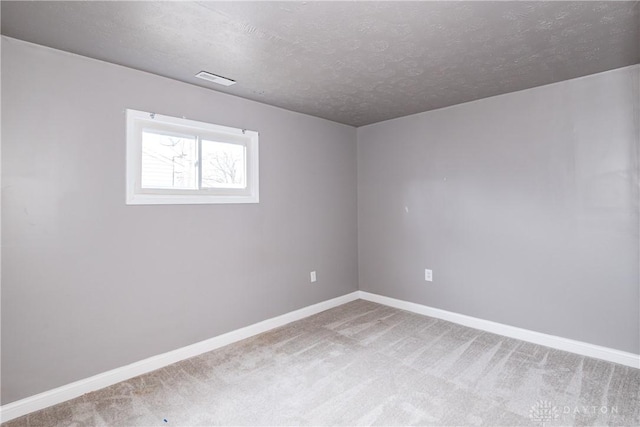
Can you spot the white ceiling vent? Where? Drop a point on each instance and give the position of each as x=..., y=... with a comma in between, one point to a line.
x=215, y=79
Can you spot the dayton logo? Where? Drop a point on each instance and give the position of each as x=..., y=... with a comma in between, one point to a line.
x=543, y=412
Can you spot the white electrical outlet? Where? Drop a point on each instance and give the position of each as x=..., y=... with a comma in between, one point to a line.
x=428, y=275
x=313, y=277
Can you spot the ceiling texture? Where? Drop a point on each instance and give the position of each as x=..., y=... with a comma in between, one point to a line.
x=351, y=62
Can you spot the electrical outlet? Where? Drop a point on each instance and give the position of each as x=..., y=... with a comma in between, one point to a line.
x=313, y=277
x=428, y=275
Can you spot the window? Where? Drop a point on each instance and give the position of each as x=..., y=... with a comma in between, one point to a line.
x=179, y=161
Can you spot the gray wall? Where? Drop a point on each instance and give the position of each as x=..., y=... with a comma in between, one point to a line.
x=524, y=205
x=90, y=284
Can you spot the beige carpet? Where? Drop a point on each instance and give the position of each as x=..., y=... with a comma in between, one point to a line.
x=366, y=364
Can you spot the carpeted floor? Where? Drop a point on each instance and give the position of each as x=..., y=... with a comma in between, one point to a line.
x=366, y=364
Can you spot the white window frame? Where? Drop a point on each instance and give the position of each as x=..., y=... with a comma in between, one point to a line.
x=137, y=121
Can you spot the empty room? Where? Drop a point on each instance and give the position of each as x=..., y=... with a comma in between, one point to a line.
x=319, y=213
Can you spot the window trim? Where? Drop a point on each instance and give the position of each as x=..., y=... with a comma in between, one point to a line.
x=137, y=121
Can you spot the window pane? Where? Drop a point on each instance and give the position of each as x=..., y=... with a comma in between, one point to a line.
x=169, y=161
x=223, y=165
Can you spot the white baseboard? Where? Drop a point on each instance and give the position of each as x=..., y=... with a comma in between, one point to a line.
x=70, y=391
x=78, y=388
x=578, y=347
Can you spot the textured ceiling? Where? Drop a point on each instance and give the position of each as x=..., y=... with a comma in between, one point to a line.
x=351, y=62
